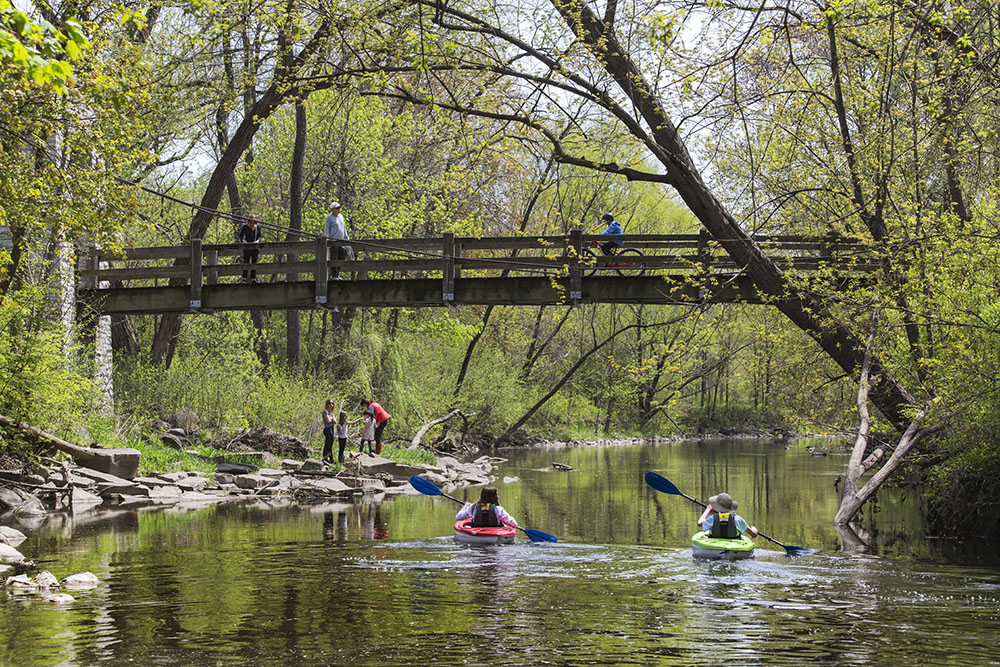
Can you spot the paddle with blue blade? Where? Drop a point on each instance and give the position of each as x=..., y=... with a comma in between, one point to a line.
x=430, y=489
x=664, y=485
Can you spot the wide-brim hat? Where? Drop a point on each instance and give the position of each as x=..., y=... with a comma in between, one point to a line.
x=335, y=204
x=723, y=503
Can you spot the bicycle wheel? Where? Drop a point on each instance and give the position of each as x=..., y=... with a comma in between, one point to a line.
x=590, y=259
x=635, y=267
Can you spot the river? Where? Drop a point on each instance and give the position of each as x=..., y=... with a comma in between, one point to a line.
x=385, y=584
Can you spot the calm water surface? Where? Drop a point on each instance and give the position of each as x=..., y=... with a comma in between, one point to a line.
x=385, y=584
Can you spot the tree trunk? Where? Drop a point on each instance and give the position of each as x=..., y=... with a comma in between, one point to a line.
x=804, y=309
x=281, y=89
x=293, y=349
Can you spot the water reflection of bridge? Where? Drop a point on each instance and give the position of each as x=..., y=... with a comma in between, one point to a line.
x=677, y=268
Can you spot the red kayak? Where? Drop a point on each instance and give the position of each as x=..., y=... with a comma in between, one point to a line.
x=466, y=534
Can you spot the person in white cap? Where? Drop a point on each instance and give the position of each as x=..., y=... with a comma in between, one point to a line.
x=335, y=228
x=721, y=520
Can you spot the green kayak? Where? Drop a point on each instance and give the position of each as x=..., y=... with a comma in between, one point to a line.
x=704, y=546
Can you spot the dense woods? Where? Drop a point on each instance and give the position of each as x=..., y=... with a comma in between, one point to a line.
x=135, y=124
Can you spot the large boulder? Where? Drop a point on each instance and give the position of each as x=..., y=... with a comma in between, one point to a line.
x=81, y=580
x=9, y=554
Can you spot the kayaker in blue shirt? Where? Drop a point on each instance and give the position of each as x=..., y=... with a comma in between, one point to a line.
x=611, y=247
x=721, y=520
x=487, y=512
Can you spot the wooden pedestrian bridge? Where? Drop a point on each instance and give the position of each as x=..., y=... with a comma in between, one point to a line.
x=449, y=270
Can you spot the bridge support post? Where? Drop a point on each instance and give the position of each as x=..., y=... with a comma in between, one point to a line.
x=195, y=299
x=575, y=269
x=448, y=274
x=705, y=261
x=321, y=272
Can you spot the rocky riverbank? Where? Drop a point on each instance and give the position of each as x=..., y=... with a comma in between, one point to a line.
x=27, y=496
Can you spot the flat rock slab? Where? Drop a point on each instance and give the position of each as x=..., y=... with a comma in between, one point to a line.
x=100, y=476
x=366, y=484
x=10, y=535
x=152, y=481
x=193, y=497
x=173, y=477
x=192, y=483
x=128, y=489
x=83, y=497
x=330, y=485
x=253, y=481
x=165, y=493
x=121, y=462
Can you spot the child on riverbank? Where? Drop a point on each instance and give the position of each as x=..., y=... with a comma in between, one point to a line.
x=721, y=520
x=368, y=434
x=342, y=423
x=487, y=512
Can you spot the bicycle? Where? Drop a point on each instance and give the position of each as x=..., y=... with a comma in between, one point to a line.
x=631, y=269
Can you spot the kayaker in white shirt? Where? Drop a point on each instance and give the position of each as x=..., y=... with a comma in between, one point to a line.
x=723, y=505
x=486, y=512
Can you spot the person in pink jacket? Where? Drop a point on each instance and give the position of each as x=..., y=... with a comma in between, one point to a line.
x=381, y=419
x=487, y=512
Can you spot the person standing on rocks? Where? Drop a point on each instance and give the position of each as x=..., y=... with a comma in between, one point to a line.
x=381, y=418
x=329, y=431
x=368, y=434
x=342, y=423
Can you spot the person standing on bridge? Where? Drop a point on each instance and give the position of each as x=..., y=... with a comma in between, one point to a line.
x=335, y=228
x=614, y=229
x=250, y=236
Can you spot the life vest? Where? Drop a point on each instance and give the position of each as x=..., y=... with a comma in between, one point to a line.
x=484, y=515
x=724, y=526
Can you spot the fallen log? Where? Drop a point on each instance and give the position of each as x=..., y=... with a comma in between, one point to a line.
x=121, y=462
x=415, y=443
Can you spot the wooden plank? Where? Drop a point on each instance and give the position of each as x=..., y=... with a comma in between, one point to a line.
x=139, y=273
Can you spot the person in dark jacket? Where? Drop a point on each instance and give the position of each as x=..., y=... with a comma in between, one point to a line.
x=250, y=236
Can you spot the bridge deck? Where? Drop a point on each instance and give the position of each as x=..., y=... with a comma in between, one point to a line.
x=448, y=270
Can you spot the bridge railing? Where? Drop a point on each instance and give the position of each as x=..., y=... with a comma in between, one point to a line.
x=450, y=257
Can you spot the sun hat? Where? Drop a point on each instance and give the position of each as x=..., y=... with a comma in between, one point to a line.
x=723, y=503
x=334, y=205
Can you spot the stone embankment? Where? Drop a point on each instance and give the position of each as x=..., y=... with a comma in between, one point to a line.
x=23, y=496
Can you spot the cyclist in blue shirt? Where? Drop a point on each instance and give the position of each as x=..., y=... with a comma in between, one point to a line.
x=611, y=247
